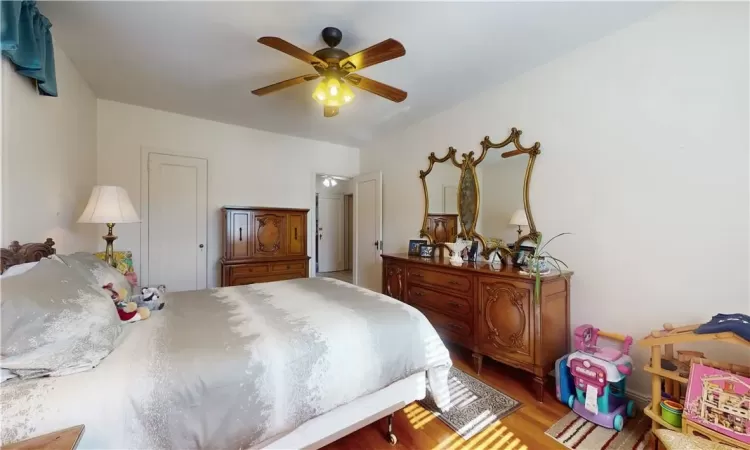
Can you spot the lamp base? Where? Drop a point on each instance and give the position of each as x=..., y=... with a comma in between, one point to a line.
x=109, y=251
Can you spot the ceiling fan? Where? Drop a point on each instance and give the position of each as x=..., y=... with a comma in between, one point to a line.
x=337, y=68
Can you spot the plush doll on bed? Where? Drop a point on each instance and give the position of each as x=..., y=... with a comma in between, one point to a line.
x=151, y=297
x=128, y=311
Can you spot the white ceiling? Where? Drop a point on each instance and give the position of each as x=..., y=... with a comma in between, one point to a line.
x=202, y=59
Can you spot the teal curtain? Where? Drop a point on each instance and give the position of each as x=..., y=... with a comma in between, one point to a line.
x=27, y=42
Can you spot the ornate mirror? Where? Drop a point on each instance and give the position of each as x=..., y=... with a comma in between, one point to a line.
x=505, y=213
x=440, y=183
x=503, y=217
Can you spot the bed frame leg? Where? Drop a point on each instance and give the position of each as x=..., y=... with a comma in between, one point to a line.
x=392, y=439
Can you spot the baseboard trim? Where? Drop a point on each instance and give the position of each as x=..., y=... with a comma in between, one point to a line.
x=640, y=399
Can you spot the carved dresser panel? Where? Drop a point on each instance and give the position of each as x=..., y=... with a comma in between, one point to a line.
x=489, y=311
x=263, y=244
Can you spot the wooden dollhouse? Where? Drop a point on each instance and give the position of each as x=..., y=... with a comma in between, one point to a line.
x=722, y=405
x=727, y=403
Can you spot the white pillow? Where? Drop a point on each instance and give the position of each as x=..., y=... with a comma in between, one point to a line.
x=18, y=269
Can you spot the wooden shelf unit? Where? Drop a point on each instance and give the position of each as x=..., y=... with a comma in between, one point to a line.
x=673, y=380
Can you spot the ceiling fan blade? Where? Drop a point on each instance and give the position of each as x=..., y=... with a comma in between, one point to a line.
x=378, y=53
x=391, y=93
x=285, y=84
x=292, y=50
x=330, y=111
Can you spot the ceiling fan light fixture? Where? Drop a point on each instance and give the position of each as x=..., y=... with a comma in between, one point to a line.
x=319, y=94
x=333, y=87
x=326, y=182
x=333, y=182
x=347, y=93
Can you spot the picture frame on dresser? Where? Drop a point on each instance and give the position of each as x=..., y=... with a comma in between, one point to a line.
x=427, y=251
x=414, y=246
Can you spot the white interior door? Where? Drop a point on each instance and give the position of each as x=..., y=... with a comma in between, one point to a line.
x=330, y=233
x=368, y=230
x=177, y=222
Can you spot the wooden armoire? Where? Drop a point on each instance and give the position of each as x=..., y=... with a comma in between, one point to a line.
x=263, y=244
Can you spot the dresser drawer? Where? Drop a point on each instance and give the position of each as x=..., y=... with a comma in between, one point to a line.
x=265, y=278
x=450, y=328
x=445, y=303
x=429, y=277
x=288, y=266
x=248, y=269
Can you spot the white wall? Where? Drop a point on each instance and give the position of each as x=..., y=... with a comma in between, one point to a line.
x=48, y=159
x=245, y=166
x=644, y=157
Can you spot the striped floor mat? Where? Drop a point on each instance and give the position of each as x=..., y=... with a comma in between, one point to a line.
x=576, y=433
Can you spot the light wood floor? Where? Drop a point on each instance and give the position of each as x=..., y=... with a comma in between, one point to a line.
x=418, y=429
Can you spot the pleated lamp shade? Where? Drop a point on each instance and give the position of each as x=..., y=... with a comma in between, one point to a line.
x=519, y=218
x=109, y=204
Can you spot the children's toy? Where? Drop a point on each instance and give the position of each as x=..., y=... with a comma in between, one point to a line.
x=671, y=412
x=720, y=401
x=599, y=375
x=128, y=311
x=564, y=386
x=151, y=298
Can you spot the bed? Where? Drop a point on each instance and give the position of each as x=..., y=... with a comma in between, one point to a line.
x=289, y=364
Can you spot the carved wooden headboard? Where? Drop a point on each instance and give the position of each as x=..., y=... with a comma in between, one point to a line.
x=20, y=254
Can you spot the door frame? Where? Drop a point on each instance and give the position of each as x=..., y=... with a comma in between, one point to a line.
x=143, y=276
x=311, y=225
x=340, y=243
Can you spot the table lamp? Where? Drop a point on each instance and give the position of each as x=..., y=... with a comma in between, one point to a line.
x=110, y=205
x=519, y=218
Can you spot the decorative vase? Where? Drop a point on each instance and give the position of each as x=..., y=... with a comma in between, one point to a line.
x=537, y=265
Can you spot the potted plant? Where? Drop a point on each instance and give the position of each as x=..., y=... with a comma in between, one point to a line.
x=542, y=262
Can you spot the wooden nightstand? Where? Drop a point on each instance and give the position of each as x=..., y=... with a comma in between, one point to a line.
x=66, y=439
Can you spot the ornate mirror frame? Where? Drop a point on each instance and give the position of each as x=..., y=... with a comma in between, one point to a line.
x=424, y=232
x=532, y=153
x=469, y=164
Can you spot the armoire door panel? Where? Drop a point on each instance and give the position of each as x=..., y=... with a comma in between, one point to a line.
x=240, y=233
x=270, y=235
x=297, y=226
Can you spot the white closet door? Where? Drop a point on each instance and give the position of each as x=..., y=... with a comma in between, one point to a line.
x=177, y=222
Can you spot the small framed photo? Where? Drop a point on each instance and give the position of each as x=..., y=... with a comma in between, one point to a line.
x=414, y=245
x=427, y=251
x=522, y=254
x=473, y=251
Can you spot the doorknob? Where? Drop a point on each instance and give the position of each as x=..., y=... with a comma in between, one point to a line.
x=201, y=246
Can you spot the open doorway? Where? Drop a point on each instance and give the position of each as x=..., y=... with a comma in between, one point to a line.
x=334, y=227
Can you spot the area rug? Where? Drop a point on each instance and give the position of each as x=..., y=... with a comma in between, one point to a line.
x=574, y=432
x=474, y=404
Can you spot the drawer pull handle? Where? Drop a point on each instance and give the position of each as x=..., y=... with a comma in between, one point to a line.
x=418, y=275
x=240, y=234
x=287, y=266
x=453, y=326
x=453, y=282
x=419, y=293
x=454, y=305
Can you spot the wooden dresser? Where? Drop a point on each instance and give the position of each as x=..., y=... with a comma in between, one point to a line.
x=490, y=311
x=263, y=244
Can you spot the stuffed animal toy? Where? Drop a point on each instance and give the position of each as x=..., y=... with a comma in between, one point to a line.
x=128, y=311
x=151, y=297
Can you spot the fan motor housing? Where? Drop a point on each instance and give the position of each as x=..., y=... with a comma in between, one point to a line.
x=331, y=55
